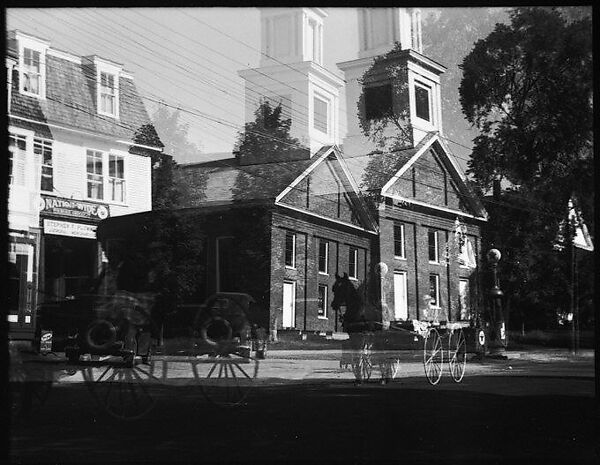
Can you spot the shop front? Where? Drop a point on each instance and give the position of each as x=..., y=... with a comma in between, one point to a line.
x=71, y=258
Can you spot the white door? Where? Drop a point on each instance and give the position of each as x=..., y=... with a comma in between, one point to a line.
x=400, y=297
x=289, y=304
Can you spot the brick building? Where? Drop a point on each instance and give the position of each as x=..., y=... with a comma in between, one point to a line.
x=77, y=128
x=316, y=222
x=429, y=220
x=281, y=225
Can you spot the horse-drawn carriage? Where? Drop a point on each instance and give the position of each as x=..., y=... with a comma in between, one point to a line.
x=370, y=345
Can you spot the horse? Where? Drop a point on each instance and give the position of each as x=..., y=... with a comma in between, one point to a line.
x=345, y=294
x=359, y=321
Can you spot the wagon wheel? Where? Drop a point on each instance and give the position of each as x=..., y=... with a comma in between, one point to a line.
x=362, y=361
x=457, y=355
x=226, y=379
x=123, y=391
x=433, y=356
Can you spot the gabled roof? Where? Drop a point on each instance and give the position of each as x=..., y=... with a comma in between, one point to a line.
x=407, y=158
x=226, y=182
x=71, y=102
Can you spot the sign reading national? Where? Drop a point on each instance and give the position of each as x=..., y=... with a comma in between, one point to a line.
x=71, y=208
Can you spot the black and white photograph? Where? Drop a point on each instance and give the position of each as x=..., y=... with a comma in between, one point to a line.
x=292, y=234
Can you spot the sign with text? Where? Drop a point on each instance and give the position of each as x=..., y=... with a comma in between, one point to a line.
x=65, y=228
x=72, y=208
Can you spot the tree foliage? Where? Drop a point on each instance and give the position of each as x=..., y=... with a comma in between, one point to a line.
x=390, y=130
x=527, y=87
x=267, y=138
x=171, y=187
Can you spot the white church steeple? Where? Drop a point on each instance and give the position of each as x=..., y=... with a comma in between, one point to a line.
x=380, y=29
x=291, y=73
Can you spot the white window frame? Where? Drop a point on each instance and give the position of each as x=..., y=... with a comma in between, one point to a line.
x=22, y=161
x=402, y=241
x=430, y=89
x=324, y=316
x=36, y=45
x=112, y=180
x=108, y=69
x=293, y=235
x=353, y=273
x=45, y=144
x=326, y=271
x=101, y=182
x=327, y=102
x=437, y=289
x=105, y=178
x=437, y=248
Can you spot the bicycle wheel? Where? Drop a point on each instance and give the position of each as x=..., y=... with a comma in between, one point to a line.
x=433, y=356
x=457, y=354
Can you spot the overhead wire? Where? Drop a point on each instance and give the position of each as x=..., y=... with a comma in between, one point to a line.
x=234, y=126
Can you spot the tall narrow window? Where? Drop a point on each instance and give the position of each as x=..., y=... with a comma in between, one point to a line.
x=321, y=108
x=322, y=301
x=32, y=71
x=17, y=151
x=353, y=263
x=116, y=177
x=43, y=149
x=433, y=246
x=95, y=178
x=108, y=94
x=434, y=289
x=423, y=101
x=290, y=249
x=311, y=40
x=399, y=241
x=323, y=256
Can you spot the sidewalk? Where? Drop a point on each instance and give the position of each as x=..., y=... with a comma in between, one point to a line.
x=291, y=365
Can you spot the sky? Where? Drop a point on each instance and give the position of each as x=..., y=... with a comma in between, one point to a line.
x=189, y=58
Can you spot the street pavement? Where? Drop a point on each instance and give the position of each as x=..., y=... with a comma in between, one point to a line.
x=536, y=406
x=312, y=365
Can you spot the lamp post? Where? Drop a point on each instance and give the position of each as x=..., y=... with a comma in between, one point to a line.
x=498, y=329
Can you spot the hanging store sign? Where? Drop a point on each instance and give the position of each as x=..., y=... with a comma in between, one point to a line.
x=60, y=206
x=65, y=228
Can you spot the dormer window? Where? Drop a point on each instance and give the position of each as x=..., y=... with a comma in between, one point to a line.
x=32, y=71
x=107, y=85
x=108, y=94
x=32, y=65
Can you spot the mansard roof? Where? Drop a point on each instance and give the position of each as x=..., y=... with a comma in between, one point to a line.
x=70, y=102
